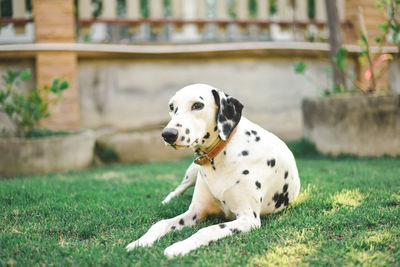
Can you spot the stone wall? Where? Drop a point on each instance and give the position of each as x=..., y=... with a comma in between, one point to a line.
x=132, y=92
x=360, y=125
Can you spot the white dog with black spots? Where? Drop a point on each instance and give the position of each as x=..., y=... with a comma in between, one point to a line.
x=254, y=174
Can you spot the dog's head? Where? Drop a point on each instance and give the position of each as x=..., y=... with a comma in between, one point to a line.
x=199, y=114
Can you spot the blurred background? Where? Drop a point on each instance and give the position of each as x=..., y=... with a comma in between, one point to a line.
x=125, y=58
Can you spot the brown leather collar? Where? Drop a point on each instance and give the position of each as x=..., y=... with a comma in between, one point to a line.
x=213, y=151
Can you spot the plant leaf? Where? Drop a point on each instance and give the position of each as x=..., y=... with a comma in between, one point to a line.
x=300, y=67
x=25, y=75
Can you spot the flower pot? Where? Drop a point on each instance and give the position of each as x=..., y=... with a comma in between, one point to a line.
x=50, y=154
x=359, y=125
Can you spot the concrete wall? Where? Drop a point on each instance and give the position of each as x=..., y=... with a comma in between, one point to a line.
x=135, y=91
x=132, y=92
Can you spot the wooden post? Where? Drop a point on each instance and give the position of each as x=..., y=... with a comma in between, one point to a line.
x=301, y=12
x=18, y=8
x=222, y=10
x=177, y=9
x=133, y=12
x=156, y=9
x=320, y=10
x=263, y=9
x=335, y=41
x=285, y=12
x=85, y=12
x=132, y=9
x=222, y=14
x=57, y=26
x=242, y=10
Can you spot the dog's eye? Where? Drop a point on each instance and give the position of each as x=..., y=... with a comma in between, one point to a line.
x=171, y=107
x=197, y=106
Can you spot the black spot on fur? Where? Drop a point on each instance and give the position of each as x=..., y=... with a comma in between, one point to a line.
x=223, y=201
x=207, y=135
x=245, y=172
x=257, y=138
x=186, y=177
x=253, y=132
x=258, y=184
x=182, y=222
x=235, y=230
x=178, y=125
x=224, y=152
x=280, y=199
x=238, y=181
x=271, y=162
x=247, y=133
x=188, y=140
x=173, y=227
x=176, y=110
x=285, y=188
x=182, y=138
x=255, y=214
x=201, y=98
x=286, y=174
x=245, y=152
x=222, y=225
x=260, y=199
x=194, y=217
x=214, y=168
x=187, y=131
x=215, y=128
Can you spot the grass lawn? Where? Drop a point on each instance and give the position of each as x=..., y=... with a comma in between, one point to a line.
x=348, y=213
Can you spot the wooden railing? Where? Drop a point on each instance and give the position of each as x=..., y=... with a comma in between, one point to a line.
x=204, y=20
x=189, y=21
x=18, y=26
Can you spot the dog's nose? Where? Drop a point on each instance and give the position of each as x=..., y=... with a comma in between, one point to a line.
x=170, y=135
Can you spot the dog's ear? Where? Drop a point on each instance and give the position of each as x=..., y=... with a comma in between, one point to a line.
x=229, y=113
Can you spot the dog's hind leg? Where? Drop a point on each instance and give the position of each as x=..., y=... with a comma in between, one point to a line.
x=188, y=180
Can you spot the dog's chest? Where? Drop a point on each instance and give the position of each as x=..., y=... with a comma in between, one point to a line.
x=217, y=180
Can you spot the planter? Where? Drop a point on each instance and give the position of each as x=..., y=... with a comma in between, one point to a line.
x=42, y=155
x=360, y=125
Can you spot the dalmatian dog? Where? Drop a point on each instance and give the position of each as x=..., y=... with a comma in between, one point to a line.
x=241, y=171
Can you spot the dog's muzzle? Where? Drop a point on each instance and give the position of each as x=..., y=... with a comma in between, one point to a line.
x=170, y=135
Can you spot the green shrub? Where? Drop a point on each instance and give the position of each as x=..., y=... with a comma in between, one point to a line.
x=26, y=110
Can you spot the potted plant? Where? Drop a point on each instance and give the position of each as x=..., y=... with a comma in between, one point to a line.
x=30, y=149
x=364, y=118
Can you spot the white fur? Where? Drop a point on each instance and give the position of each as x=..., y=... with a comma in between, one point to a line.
x=225, y=188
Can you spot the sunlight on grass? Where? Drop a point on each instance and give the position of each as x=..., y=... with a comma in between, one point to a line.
x=369, y=258
x=346, y=198
x=373, y=238
x=283, y=255
x=291, y=253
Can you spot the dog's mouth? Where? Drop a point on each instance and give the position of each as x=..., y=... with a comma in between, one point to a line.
x=177, y=147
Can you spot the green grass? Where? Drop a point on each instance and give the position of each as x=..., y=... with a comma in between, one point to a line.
x=348, y=213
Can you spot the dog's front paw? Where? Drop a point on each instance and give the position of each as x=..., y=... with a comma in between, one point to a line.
x=177, y=249
x=141, y=242
x=168, y=198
